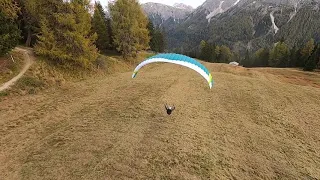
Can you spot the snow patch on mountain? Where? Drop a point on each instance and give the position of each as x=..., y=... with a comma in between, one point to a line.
x=275, y=27
x=183, y=6
x=236, y=2
x=215, y=12
x=295, y=11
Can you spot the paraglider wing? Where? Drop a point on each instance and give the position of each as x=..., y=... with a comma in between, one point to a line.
x=180, y=60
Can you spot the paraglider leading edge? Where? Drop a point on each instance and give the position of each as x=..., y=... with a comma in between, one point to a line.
x=180, y=60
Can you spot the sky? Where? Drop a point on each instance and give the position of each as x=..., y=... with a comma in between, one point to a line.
x=193, y=3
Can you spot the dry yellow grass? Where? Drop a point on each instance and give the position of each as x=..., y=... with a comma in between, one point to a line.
x=251, y=125
x=295, y=76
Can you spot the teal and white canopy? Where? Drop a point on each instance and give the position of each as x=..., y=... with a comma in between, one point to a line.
x=180, y=60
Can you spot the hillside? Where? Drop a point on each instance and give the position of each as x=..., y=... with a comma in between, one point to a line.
x=254, y=124
x=247, y=24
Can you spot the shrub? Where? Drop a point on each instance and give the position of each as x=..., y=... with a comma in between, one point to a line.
x=29, y=82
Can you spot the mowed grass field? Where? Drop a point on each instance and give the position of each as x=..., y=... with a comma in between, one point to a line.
x=253, y=124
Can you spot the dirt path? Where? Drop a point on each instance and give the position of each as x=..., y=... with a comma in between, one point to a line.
x=246, y=127
x=28, y=62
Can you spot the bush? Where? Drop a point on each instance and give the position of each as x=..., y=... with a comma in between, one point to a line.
x=4, y=93
x=9, y=34
x=29, y=82
x=100, y=63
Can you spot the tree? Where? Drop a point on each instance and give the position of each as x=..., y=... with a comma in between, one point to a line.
x=261, y=58
x=318, y=57
x=9, y=31
x=111, y=45
x=164, y=37
x=225, y=54
x=217, y=53
x=203, y=44
x=100, y=26
x=282, y=40
x=9, y=9
x=151, y=29
x=31, y=11
x=236, y=57
x=66, y=33
x=207, y=51
x=192, y=53
x=279, y=55
x=203, y=53
x=294, y=57
x=306, y=51
x=157, y=42
x=312, y=61
x=9, y=34
x=129, y=24
x=247, y=61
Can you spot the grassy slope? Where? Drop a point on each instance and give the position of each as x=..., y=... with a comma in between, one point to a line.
x=43, y=74
x=8, y=68
x=253, y=124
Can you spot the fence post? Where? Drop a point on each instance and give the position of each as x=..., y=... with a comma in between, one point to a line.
x=12, y=58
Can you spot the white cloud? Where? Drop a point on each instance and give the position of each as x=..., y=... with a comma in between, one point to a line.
x=193, y=3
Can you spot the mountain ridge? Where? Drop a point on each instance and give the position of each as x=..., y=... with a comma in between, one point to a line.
x=161, y=14
x=246, y=24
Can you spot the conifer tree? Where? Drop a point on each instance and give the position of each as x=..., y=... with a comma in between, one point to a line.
x=66, y=33
x=217, y=53
x=318, y=57
x=261, y=58
x=225, y=54
x=9, y=31
x=279, y=55
x=159, y=42
x=294, y=57
x=205, y=51
x=209, y=52
x=151, y=29
x=306, y=51
x=129, y=25
x=312, y=61
x=9, y=8
x=31, y=11
x=100, y=26
x=247, y=61
x=110, y=33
